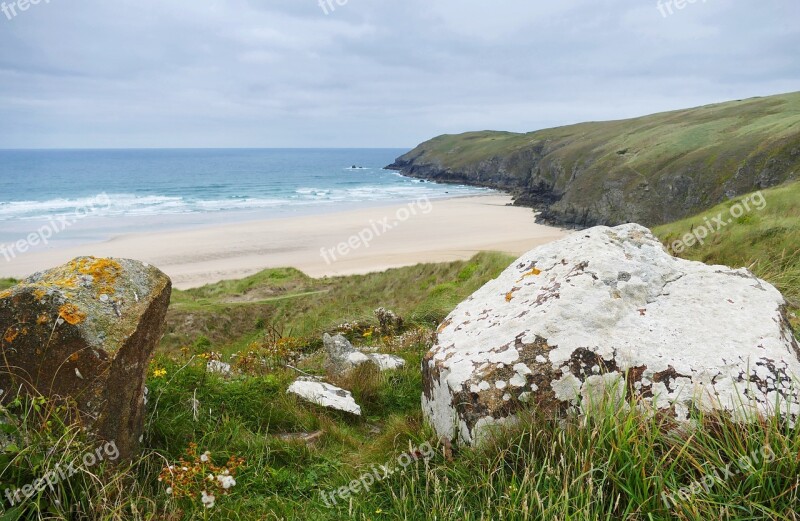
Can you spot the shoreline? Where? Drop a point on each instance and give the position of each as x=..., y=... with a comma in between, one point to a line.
x=353, y=241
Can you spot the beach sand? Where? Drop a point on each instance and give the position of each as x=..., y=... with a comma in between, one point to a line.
x=438, y=230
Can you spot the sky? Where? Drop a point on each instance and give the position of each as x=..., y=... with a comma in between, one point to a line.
x=371, y=73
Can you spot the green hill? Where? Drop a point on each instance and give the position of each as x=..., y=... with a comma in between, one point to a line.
x=651, y=170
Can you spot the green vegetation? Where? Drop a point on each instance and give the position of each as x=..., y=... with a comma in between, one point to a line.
x=766, y=241
x=648, y=170
x=618, y=464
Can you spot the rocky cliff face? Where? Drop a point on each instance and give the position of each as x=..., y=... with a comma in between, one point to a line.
x=651, y=170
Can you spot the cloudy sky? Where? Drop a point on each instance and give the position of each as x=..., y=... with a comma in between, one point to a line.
x=371, y=73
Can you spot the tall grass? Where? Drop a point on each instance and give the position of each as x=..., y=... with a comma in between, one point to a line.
x=49, y=468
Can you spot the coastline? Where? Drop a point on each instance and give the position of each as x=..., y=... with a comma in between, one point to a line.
x=353, y=241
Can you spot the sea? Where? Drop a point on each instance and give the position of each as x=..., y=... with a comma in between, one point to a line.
x=94, y=195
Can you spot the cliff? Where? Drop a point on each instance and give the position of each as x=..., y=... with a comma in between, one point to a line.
x=651, y=170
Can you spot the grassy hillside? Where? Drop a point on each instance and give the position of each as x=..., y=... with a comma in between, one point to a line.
x=619, y=465
x=652, y=170
x=767, y=241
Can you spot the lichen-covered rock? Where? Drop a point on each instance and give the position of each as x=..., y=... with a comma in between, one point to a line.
x=85, y=331
x=324, y=394
x=608, y=311
x=343, y=357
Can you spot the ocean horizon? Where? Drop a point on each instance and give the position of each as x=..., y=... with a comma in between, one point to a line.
x=117, y=191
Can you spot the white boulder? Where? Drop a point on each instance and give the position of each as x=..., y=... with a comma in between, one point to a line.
x=608, y=309
x=343, y=357
x=386, y=362
x=218, y=367
x=325, y=395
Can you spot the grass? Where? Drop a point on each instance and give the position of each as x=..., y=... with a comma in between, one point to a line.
x=767, y=241
x=619, y=463
x=232, y=314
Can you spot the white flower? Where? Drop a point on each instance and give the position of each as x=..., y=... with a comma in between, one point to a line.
x=208, y=500
x=211, y=477
x=169, y=491
x=226, y=481
x=205, y=457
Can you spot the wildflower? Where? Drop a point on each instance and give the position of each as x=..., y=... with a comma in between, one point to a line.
x=226, y=481
x=208, y=500
x=159, y=373
x=169, y=491
x=205, y=457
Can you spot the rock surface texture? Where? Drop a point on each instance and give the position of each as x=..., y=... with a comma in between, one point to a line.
x=325, y=395
x=607, y=310
x=85, y=331
x=343, y=357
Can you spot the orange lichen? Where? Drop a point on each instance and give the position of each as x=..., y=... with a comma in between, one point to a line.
x=5, y=294
x=43, y=319
x=104, y=273
x=65, y=281
x=534, y=271
x=11, y=334
x=39, y=294
x=71, y=314
x=74, y=357
x=510, y=294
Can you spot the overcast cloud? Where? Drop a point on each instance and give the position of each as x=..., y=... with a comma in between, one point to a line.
x=371, y=73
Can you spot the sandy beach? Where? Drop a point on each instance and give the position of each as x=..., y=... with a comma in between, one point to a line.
x=349, y=242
